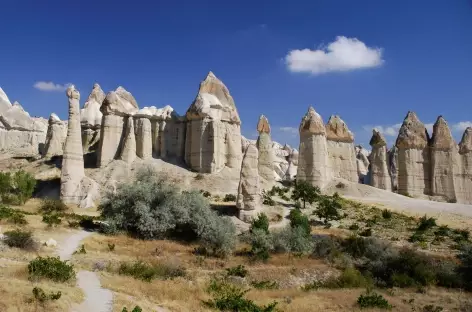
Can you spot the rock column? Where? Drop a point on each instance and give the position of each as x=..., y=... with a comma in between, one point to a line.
x=380, y=177
x=313, y=156
x=266, y=151
x=55, y=138
x=128, y=152
x=249, y=192
x=464, y=178
x=143, y=138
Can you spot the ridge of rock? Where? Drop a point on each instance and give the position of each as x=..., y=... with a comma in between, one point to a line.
x=337, y=130
x=119, y=102
x=153, y=112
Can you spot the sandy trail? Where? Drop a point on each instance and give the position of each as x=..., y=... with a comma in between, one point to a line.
x=97, y=299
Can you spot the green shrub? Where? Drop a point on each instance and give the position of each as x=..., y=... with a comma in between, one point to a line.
x=373, y=300
x=20, y=239
x=73, y=224
x=111, y=247
x=239, y=270
x=426, y=223
x=417, y=236
x=265, y=284
x=305, y=192
x=24, y=184
x=386, y=214
x=51, y=268
x=41, y=296
x=12, y=216
x=366, y=232
x=261, y=223
x=442, y=231
x=229, y=198
x=18, y=219
x=293, y=240
x=148, y=272
x=329, y=208
x=49, y=206
x=465, y=266
x=461, y=235
x=136, y=309
x=298, y=219
x=228, y=297
x=432, y=308
x=52, y=220
x=267, y=199
x=261, y=244
x=152, y=208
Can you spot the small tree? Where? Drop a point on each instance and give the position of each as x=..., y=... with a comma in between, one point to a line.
x=305, y=192
x=328, y=208
x=24, y=184
x=5, y=183
x=262, y=223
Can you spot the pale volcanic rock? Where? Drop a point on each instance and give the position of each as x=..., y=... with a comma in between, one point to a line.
x=464, y=178
x=76, y=188
x=341, y=150
x=165, y=113
x=249, y=191
x=414, y=165
x=292, y=165
x=313, y=165
x=128, y=152
x=444, y=161
x=213, y=133
x=55, y=137
x=393, y=167
x=266, y=151
x=143, y=138
x=116, y=107
x=363, y=163
x=91, y=119
x=379, y=176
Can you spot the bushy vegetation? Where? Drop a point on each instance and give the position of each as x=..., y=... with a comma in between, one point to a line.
x=50, y=206
x=12, y=215
x=148, y=272
x=135, y=309
x=373, y=300
x=40, y=295
x=20, y=239
x=229, y=297
x=229, y=198
x=305, y=192
x=17, y=187
x=52, y=220
x=349, y=278
x=267, y=199
x=51, y=268
x=265, y=284
x=239, y=271
x=329, y=208
x=261, y=223
x=152, y=208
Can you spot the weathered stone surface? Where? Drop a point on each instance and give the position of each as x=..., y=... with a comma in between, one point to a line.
x=116, y=107
x=337, y=130
x=213, y=134
x=143, y=138
x=379, y=173
x=464, y=177
x=313, y=159
x=249, y=191
x=414, y=161
x=341, y=150
x=393, y=167
x=56, y=137
x=363, y=163
x=266, y=151
x=91, y=119
x=444, y=161
x=76, y=188
x=128, y=152
x=292, y=165
x=20, y=134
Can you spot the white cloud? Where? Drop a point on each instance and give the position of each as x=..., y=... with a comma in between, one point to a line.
x=289, y=130
x=343, y=54
x=461, y=126
x=50, y=86
x=385, y=130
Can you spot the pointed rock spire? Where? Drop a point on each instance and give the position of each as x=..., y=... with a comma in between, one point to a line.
x=337, y=130
x=263, y=125
x=312, y=123
x=442, y=137
x=377, y=139
x=91, y=116
x=465, y=146
x=413, y=133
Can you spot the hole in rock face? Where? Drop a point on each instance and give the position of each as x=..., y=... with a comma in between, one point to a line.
x=47, y=189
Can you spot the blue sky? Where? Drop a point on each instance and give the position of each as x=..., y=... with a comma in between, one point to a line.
x=375, y=61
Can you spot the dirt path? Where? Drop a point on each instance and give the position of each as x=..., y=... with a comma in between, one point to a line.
x=97, y=299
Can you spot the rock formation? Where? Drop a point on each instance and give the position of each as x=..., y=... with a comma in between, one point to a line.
x=20, y=134
x=116, y=107
x=292, y=165
x=393, y=167
x=249, y=192
x=143, y=138
x=379, y=173
x=76, y=188
x=56, y=137
x=444, y=161
x=464, y=177
x=128, y=152
x=414, y=177
x=363, y=163
x=213, y=134
x=313, y=164
x=91, y=119
x=341, y=151
x=266, y=151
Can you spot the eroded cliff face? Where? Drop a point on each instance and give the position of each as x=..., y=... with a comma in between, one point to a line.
x=55, y=137
x=266, y=151
x=91, y=119
x=379, y=172
x=248, y=200
x=464, y=177
x=414, y=161
x=213, y=134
